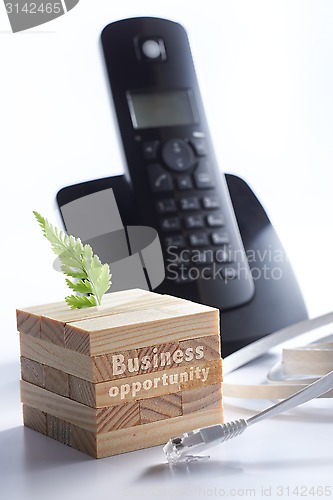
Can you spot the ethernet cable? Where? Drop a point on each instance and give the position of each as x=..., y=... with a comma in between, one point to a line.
x=185, y=447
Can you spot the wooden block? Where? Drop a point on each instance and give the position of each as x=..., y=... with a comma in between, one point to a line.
x=136, y=329
x=154, y=433
x=52, y=331
x=203, y=347
x=58, y=429
x=57, y=357
x=203, y=398
x=107, y=444
x=34, y=419
x=28, y=323
x=113, y=303
x=155, y=357
x=123, y=440
x=33, y=372
x=99, y=368
x=83, y=440
x=147, y=385
x=82, y=391
x=118, y=417
x=56, y=381
x=92, y=419
x=58, y=406
x=160, y=408
x=106, y=366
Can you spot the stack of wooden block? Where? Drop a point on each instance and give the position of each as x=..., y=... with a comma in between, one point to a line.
x=126, y=375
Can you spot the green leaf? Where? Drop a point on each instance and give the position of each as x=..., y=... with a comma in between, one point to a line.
x=81, y=286
x=73, y=273
x=78, y=262
x=80, y=301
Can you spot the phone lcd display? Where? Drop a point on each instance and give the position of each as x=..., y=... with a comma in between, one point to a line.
x=161, y=109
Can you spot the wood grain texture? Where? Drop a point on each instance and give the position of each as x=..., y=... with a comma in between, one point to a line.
x=58, y=406
x=112, y=304
x=99, y=368
x=151, y=384
x=210, y=346
x=33, y=372
x=118, y=417
x=137, y=329
x=104, y=368
x=52, y=355
x=34, y=419
x=154, y=433
x=155, y=357
x=92, y=419
x=82, y=391
x=136, y=319
x=52, y=331
x=203, y=398
x=107, y=444
x=83, y=440
x=47, y=320
x=160, y=408
x=56, y=381
x=28, y=323
x=58, y=429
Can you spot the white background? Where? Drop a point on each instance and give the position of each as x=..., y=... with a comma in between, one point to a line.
x=266, y=74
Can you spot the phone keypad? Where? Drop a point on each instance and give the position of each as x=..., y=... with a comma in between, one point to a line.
x=192, y=223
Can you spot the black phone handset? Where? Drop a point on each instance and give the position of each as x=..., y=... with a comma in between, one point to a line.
x=171, y=166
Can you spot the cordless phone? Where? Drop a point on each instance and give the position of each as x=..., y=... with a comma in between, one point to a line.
x=176, y=182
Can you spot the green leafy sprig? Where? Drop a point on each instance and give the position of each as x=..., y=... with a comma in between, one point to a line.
x=92, y=279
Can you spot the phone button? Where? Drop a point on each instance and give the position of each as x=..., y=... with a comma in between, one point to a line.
x=215, y=220
x=210, y=202
x=198, y=239
x=184, y=182
x=194, y=222
x=159, y=179
x=149, y=150
x=203, y=177
x=220, y=238
x=177, y=241
x=170, y=224
x=166, y=206
x=177, y=155
x=199, y=146
x=190, y=203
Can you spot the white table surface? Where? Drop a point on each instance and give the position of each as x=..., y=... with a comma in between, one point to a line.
x=288, y=456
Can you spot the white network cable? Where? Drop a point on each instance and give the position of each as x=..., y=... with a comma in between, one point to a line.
x=183, y=448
